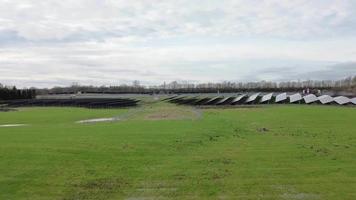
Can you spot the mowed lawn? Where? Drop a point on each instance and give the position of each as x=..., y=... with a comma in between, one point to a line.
x=163, y=151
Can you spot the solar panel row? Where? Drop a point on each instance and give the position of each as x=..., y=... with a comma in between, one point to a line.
x=257, y=98
x=87, y=103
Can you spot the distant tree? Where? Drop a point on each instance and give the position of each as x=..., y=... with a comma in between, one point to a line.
x=136, y=83
x=354, y=82
x=10, y=93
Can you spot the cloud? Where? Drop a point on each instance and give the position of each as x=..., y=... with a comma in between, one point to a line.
x=337, y=71
x=92, y=20
x=115, y=41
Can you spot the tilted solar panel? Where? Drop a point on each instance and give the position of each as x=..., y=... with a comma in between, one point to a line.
x=342, y=100
x=353, y=100
x=223, y=100
x=310, y=98
x=252, y=98
x=325, y=99
x=266, y=97
x=238, y=98
x=295, y=98
x=281, y=97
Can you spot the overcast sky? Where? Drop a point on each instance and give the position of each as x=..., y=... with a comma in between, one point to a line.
x=57, y=42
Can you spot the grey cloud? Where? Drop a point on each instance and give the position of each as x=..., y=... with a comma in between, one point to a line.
x=332, y=72
x=8, y=37
x=327, y=72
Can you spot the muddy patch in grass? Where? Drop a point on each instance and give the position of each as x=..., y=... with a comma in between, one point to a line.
x=300, y=196
x=159, y=116
x=289, y=192
x=216, y=174
x=7, y=109
x=263, y=130
x=150, y=190
x=97, y=189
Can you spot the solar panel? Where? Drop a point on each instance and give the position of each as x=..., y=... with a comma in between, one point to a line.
x=325, y=99
x=252, y=98
x=213, y=100
x=353, y=100
x=176, y=99
x=266, y=97
x=310, y=98
x=223, y=100
x=238, y=98
x=281, y=97
x=201, y=101
x=169, y=98
x=189, y=100
x=342, y=100
x=295, y=98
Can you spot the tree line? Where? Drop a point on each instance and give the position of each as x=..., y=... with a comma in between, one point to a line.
x=347, y=85
x=344, y=85
x=11, y=93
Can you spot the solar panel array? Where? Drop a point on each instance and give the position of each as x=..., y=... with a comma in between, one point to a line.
x=87, y=103
x=258, y=98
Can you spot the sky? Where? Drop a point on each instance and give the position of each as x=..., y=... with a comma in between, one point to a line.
x=111, y=42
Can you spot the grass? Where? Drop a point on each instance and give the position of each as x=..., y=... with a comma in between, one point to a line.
x=270, y=152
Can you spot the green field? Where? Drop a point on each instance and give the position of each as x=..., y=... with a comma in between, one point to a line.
x=164, y=151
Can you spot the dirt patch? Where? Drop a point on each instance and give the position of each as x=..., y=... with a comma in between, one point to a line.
x=149, y=190
x=97, y=189
x=159, y=116
x=263, y=130
x=299, y=196
x=7, y=109
x=12, y=125
x=290, y=193
x=141, y=198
